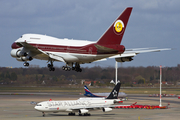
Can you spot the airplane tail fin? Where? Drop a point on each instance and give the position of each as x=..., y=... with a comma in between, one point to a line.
x=116, y=31
x=87, y=92
x=115, y=92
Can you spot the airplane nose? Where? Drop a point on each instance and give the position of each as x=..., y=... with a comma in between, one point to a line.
x=36, y=108
x=14, y=46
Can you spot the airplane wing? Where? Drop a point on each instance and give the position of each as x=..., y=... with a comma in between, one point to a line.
x=94, y=107
x=99, y=107
x=129, y=53
x=36, y=51
x=29, y=47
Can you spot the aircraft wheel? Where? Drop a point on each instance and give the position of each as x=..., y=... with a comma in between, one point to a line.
x=26, y=64
x=66, y=68
x=69, y=69
x=86, y=114
x=53, y=69
x=63, y=68
x=49, y=65
x=43, y=114
x=71, y=114
x=80, y=114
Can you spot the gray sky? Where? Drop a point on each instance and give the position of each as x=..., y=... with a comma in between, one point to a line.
x=153, y=23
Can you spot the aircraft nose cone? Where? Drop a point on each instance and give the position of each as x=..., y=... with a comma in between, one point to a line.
x=36, y=108
x=14, y=46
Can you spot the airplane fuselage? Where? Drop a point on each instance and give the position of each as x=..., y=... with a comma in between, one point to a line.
x=72, y=105
x=80, y=51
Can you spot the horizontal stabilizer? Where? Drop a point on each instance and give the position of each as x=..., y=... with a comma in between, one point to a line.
x=134, y=52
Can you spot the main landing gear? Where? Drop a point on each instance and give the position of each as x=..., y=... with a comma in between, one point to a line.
x=76, y=68
x=71, y=114
x=85, y=114
x=50, y=66
x=66, y=68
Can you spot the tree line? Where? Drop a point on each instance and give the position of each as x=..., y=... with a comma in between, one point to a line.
x=129, y=76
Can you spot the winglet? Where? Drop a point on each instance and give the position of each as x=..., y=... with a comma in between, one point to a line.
x=115, y=92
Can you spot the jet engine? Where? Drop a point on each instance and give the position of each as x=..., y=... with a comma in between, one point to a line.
x=18, y=53
x=27, y=58
x=117, y=101
x=124, y=59
x=81, y=111
x=107, y=109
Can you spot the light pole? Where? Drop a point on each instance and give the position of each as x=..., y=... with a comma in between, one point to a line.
x=160, y=83
x=116, y=66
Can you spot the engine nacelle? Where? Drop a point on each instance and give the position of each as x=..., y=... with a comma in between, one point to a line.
x=117, y=100
x=107, y=109
x=27, y=58
x=123, y=59
x=17, y=53
x=82, y=111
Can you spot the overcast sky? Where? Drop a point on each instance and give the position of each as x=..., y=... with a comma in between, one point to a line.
x=153, y=23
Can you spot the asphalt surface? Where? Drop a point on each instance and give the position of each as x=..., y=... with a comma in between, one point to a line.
x=16, y=106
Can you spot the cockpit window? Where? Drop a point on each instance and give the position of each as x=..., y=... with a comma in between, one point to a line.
x=38, y=105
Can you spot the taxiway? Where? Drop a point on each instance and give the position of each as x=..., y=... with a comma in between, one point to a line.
x=16, y=106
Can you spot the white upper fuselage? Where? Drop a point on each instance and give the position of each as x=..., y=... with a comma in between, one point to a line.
x=48, y=40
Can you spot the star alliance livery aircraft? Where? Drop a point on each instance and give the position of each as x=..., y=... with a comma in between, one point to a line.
x=82, y=105
x=76, y=52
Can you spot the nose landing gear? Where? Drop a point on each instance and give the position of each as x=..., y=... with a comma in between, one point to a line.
x=26, y=64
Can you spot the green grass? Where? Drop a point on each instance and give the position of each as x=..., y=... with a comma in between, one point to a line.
x=81, y=90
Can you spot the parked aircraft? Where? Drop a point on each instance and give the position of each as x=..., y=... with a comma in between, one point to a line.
x=82, y=105
x=88, y=93
x=76, y=52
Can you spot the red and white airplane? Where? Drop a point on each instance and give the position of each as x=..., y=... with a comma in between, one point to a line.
x=76, y=52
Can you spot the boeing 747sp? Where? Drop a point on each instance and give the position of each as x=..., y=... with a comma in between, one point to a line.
x=76, y=52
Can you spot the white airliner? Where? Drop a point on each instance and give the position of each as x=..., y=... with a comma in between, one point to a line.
x=76, y=52
x=82, y=105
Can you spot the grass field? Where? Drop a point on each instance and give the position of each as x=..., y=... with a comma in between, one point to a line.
x=80, y=89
